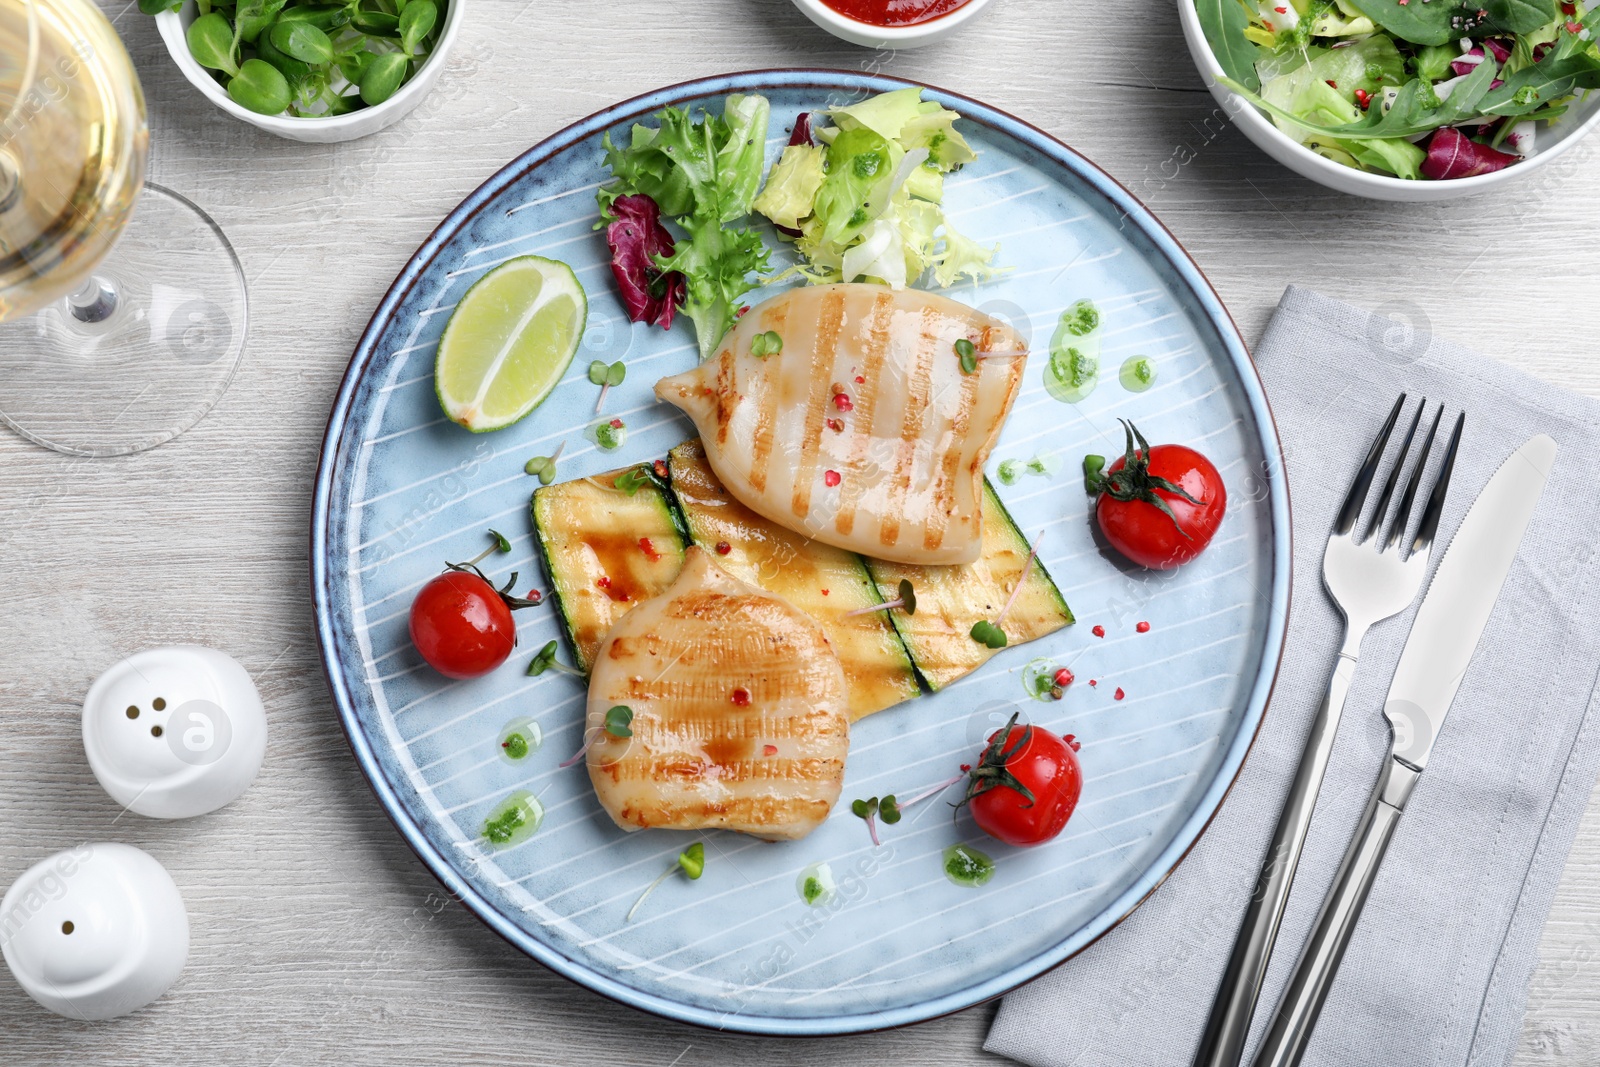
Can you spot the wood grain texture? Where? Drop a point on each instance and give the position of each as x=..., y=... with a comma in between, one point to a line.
x=318, y=937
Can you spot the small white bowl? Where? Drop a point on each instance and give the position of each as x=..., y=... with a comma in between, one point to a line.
x=870, y=36
x=174, y=27
x=1553, y=139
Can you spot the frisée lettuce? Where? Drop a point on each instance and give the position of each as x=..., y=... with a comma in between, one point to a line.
x=866, y=202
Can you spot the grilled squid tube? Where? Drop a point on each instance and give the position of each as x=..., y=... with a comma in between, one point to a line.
x=844, y=413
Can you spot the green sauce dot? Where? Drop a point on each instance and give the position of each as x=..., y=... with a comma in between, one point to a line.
x=1138, y=374
x=514, y=819
x=816, y=884
x=967, y=867
x=519, y=739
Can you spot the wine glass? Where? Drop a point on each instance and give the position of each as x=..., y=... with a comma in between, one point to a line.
x=122, y=316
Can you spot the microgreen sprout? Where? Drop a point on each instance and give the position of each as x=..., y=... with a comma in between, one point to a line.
x=499, y=544
x=1033, y=554
x=691, y=861
x=545, y=466
x=766, y=344
x=968, y=354
x=868, y=810
x=632, y=481
x=1093, y=466
x=605, y=377
x=891, y=810
x=988, y=634
x=906, y=602
x=618, y=723
x=545, y=660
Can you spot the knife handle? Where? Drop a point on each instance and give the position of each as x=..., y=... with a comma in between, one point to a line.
x=1222, y=1045
x=1313, y=975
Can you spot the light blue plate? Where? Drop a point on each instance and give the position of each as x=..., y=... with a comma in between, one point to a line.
x=401, y=490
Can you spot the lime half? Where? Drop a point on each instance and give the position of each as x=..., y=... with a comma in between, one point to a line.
x=508, y=342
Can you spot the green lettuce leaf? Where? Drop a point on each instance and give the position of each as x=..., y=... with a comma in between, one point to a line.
x=867, y=201
x=1393, y=155
x=792, y=186
x=884, y=114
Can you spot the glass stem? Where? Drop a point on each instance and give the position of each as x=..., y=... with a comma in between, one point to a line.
x=95, y=302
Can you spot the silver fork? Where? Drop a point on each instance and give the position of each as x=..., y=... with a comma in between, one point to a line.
x=1370, y=582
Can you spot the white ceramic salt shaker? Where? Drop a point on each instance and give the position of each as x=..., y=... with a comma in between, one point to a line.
x=95, y=932
x=175, y=732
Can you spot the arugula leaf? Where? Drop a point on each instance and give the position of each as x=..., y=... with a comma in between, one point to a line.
x=1224, y=23
x=1517, y=16
x=1434, y=22
x=1573, y=64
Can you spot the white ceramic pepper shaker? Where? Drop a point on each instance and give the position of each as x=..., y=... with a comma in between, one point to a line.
x=175, y=732
x=95, y=932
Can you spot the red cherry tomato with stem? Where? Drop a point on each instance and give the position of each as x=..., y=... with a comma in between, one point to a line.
x=1026, y=784
x=461, y=624
x=1159, y=506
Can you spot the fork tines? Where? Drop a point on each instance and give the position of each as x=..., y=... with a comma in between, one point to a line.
x=1384, y=530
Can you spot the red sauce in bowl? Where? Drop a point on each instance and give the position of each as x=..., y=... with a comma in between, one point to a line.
x=894, y=12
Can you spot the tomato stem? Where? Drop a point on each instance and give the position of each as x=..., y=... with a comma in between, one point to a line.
x=1133, y=481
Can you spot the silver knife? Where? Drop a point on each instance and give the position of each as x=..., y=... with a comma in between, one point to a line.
x=1443, y=638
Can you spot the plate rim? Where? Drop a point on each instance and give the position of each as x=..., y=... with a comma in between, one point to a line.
x=1219, y=319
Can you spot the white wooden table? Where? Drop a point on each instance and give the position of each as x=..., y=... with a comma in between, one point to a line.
x=318, y=937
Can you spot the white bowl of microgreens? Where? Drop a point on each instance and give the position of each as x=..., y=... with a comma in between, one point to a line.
x=1408, y=100
x=311, y=71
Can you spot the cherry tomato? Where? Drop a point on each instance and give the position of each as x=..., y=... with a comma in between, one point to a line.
x=1137, y=527
x=462, y=625
x=1043, y=763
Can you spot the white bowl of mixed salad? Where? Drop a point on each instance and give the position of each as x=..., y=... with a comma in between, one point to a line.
x=1403, y=99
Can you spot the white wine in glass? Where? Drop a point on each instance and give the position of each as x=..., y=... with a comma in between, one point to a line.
x=122, y=305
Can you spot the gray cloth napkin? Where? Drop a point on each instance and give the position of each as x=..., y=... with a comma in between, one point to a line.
x=1438, y=971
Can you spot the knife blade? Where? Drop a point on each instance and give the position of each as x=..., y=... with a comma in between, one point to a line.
x=1456, y=608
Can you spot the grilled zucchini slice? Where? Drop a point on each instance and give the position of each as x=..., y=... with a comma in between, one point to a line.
x=606, y=549
x=824, y=582
x=951, y=599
